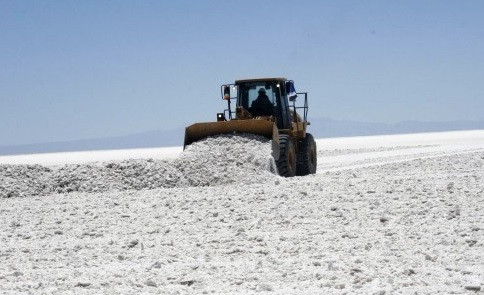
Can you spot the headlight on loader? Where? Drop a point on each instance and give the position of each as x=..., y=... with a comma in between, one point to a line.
x=220, y=117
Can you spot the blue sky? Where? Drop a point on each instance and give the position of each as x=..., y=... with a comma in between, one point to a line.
x=84, y=69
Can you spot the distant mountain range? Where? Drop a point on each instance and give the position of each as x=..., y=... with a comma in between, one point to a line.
x=320, y=128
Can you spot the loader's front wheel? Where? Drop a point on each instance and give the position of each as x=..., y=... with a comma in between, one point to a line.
x=307, y=158
x=286, y=165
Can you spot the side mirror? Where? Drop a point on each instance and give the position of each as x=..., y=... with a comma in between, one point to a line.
x=226, y=92
x=291, y=91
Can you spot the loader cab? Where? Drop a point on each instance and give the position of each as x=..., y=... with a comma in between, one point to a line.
x=249, y=93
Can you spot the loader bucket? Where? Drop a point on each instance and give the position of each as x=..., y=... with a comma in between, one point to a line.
x=199, y=131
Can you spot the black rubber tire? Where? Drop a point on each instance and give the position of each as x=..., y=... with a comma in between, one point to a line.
x=286, y=165
x=307, y=157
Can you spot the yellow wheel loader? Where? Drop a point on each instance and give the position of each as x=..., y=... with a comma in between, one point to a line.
x=266, y=107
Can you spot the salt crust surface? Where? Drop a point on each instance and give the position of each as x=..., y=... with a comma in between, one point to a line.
x=403, y=227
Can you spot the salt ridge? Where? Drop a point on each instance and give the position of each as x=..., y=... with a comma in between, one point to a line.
x=218, y=160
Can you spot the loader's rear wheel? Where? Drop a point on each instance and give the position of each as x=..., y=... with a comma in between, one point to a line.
x=286, y=165
x=307, y=158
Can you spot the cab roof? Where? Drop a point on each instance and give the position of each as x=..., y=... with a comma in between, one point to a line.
x=260, y=80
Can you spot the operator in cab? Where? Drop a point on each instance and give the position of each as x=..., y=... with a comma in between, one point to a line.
x=262, y=106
